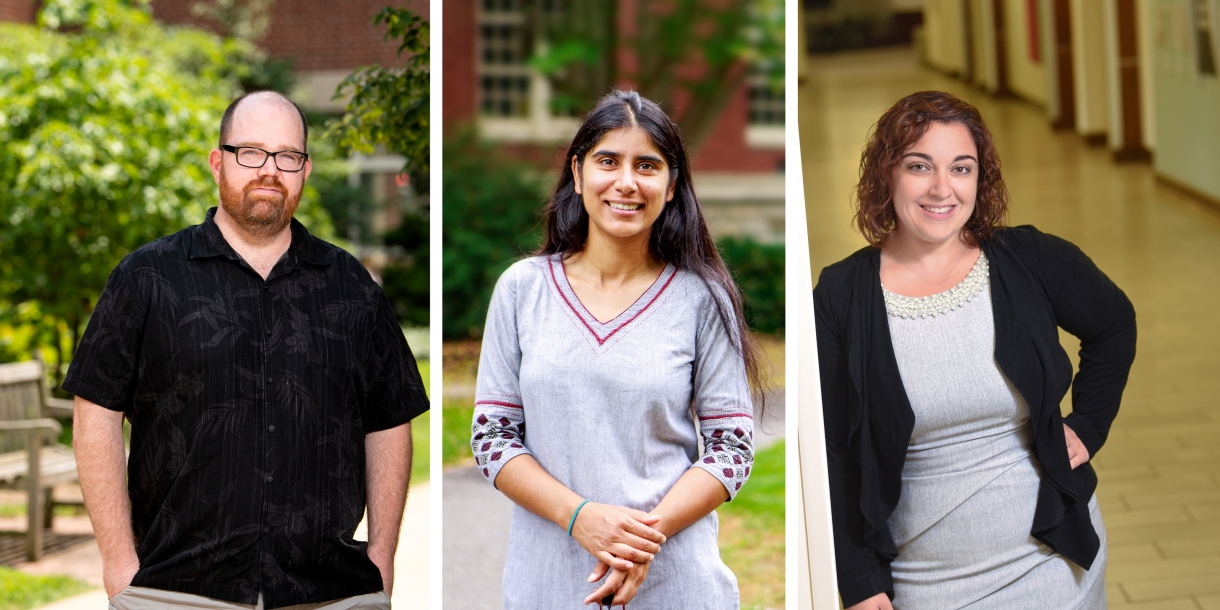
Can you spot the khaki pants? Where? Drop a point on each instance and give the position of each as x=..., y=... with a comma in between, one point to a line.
x=141, y=598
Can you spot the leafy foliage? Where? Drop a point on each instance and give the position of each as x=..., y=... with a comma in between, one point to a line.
x=106, y=121
x=704, y=49
x=389, y=106
x=758, y=270
x=491, y=220
x=406, y=283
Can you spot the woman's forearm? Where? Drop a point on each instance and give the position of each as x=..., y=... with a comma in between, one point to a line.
x=531, y=487
x=615, y=535
x=696, y=494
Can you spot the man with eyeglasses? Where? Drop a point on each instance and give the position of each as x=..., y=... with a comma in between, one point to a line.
x=270, y=393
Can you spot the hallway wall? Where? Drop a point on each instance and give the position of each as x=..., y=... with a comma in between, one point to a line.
x=1089, y=66
x=1186, y=103
x=1026, y=77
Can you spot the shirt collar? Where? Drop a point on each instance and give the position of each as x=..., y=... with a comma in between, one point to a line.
x=209, y=241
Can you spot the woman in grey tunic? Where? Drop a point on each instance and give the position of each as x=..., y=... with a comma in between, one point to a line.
x=955, y=483
x=622, y=346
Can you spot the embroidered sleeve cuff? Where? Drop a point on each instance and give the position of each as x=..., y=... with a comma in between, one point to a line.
x=728, y=449
x=497, y=434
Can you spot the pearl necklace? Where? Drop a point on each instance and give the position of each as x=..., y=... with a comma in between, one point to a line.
x=922, y=307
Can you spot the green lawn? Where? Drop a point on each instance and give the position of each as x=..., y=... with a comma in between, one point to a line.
x=752, y=532
x=455, y=432
x=420, y=434
x=19, y=591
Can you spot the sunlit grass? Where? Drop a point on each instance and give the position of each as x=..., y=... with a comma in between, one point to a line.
x=752, y=532
x=19, y=591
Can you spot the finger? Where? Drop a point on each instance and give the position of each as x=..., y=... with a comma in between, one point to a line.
x=641, y=516
x=644, y=531
x=642, y=544
x=626, y=592
x=624, y=551
x=612, y=561
x=599, y=571
x=613, y=582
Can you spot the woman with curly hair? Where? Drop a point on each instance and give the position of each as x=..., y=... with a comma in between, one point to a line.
x=955, y=482
x=623, y=331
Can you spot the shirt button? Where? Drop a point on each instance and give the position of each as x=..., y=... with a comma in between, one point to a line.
x=268, y=378
x=266, y=288
x=269, y=478
x=270, y=428
x=267, y=332
x=266, y=530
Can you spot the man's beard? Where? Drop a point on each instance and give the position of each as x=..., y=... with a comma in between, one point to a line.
x=259, y=214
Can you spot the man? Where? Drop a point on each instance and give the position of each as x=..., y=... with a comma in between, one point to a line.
x=269, y=390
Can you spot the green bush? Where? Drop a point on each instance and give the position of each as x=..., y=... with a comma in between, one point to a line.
x=759, y=271
x=491, y=219
x=406, y=281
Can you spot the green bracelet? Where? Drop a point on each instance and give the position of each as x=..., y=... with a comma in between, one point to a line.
x=574, y=513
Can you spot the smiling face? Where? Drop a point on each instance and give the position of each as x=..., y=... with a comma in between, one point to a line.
x=624, y=183
x=935, y=184
x=261, y=200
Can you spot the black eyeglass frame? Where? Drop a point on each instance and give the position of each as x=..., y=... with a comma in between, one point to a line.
x=268, y=155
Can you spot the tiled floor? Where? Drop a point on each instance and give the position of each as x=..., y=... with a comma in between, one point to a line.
x=1160, y=470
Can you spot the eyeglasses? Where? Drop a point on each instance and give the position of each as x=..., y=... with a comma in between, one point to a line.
x=249, y=156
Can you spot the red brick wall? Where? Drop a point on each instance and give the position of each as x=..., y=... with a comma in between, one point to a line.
x=21, y=11
x=724, y=150
x=459, y=97
x=318, y=34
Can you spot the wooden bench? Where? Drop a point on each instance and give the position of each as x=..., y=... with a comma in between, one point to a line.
x=30, y=457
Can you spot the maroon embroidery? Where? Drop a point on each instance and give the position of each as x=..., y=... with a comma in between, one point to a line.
x=707, y=417
x=728, y=473
x=737, y=459
x=498, y=404
x=485, y=447
x=602, y=340
x=482, y=419
x=739, y=432
x=709, y=460
x=504, y=421
x=485, y=473
x=747, y=471
x=738, y=486
x=495, y=456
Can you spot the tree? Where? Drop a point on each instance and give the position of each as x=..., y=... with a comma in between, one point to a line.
x=705, y=48
x=106, y=121
x=389, y=107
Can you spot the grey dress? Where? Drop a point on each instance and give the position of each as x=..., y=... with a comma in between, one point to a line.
x=609, y=414
x=970, y=483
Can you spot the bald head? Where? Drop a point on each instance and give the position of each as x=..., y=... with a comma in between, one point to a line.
x=264, y=98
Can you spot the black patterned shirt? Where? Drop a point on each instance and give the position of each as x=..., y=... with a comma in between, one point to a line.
x=249, y=402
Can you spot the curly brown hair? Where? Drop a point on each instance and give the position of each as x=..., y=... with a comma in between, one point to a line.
x=899, y=129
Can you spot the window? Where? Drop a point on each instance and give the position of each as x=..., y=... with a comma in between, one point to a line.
x=765, y=128
x=514, y=100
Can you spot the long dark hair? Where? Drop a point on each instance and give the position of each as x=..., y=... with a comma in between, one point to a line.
x=679, y=235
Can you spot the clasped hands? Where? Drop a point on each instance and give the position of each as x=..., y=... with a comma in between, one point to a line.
x=624, y=542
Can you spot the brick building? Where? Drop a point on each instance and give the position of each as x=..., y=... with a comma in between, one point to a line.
x=738, y=172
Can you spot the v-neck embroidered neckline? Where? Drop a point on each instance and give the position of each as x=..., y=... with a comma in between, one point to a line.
x=603, y=331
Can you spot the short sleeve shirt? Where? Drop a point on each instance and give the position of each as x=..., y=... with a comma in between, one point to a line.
x=249, y=401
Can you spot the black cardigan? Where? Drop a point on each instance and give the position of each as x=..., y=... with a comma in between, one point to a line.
x=1038, y=282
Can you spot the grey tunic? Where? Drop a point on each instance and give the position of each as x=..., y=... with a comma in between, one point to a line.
x=970, y=482
x=609, y=412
